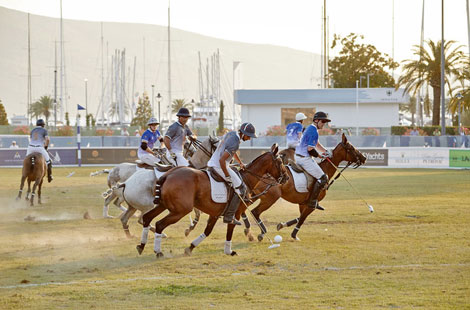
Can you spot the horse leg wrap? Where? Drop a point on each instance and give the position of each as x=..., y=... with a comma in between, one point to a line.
x=263, y=228
x=145, y=233
x=292, y=222
x=156, y=199
x=122, y=208
x=198, y=240
x=157, y=245
x=105, y=211
x=228, y=247
x=246, y=221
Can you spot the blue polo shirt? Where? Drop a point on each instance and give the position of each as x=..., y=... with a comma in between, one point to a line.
x=150, y=137
x=293, y=130
x=309, y=138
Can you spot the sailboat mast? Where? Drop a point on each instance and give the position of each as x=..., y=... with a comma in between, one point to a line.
x=169, y=67
x=29, y=99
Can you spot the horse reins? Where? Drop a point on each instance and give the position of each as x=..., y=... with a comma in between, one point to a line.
x=341, y=171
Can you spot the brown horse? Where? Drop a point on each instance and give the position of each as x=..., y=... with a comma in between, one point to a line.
x=197, y=194
x=344, y=151
x=34, y=168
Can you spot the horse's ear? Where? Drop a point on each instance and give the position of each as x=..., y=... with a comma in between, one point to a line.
x=344, y=139
x=274, y=148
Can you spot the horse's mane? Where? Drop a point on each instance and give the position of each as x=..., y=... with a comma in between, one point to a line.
x=256, y=159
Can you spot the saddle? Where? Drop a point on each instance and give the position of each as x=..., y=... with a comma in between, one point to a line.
x=159, y=167
x=296, y=168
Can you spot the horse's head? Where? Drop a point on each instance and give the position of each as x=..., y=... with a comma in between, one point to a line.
x=277, y=170
x=286, y=155
x=204, y=151
x=345, y=151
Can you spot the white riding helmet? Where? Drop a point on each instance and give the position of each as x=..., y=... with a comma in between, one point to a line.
x=300, y=116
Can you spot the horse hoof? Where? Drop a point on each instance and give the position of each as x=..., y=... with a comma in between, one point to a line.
x=186, y=232
x=260, y=237
x=246, y=231
x=295, y=238
x=27, y=199
x=159, y=254
x=280, y=226
x=128, y=234
x=250, y=237
x=187, y=252
x=18, y=198
x=164, y=235
x=108, y=217
x=233, y=253
x=140, y=248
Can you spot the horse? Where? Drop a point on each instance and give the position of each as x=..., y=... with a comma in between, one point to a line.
x=34, y=169
x=286, y=155
x=344, y=151
x=123, y=171
x=137, y=191
x=197, y=194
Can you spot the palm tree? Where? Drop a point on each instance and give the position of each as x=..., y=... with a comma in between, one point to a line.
x=178, y=104
x=464, y=75
x=43, y=106
x=418, y=74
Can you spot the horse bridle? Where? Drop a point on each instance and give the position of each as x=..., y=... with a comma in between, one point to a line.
x=198, y=144
x=283, y=177
x=356, y=160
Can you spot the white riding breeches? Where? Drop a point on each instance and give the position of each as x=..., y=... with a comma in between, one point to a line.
x=38, y=149
x=310, y=166
x=149, y=159
x=236, y=182
x=180, y=160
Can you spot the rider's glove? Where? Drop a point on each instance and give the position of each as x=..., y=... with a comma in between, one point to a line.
x=173, y=155
x=228, y=180
x=46, y=147
x=327, y=154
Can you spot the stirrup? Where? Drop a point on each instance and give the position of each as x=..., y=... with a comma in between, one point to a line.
x=234, y=221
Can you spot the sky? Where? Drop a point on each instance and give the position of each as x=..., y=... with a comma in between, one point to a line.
x=294, y=23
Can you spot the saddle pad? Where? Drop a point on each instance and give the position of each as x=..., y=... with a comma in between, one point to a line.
x=300, y=181
x=158, y=174
x=218, y=190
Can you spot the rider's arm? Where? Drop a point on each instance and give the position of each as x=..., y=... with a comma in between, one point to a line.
x=46, y=142
x=166, y=141
x=223, y=163
x=237, y=158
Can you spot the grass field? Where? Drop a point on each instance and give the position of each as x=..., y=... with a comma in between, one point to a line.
x=413, y=252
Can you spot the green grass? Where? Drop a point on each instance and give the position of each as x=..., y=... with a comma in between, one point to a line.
x=413, y=252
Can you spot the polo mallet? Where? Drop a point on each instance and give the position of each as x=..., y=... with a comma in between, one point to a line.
x=371, y=209
x=273, y=245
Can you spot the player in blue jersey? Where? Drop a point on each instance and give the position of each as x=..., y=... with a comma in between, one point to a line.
x=220, y=160
x=308, y=146
x=294, y=131
x=148, y=139
x=38, y=143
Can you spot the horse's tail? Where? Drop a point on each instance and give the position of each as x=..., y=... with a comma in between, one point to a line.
x=158, y=192
x=99, y=172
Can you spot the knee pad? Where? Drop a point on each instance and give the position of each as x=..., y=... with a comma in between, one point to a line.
x=323, y=180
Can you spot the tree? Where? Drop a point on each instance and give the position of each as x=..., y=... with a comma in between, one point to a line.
x=143, y=112
x=410, y=107
x=42, y=107
x=3, y=114
x=356, y=60
x=427, y=71
x=221, y=117
x=178, y=104
x=463, y=75
x=67, y=119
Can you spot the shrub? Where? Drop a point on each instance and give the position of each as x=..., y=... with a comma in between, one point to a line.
x=65, y=131
x=104, y=132
x=275, y=131
x=420, y=131
x=21, y=130
x=370, y=132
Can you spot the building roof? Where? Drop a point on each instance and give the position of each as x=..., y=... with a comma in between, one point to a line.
x=330, y=95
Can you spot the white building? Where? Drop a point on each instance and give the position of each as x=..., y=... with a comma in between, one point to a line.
x=346, y=107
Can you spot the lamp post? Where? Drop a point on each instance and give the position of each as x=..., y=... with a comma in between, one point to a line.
x=421, y=116
x=86, y=97
x=369, y=74
x=159, y=97
x=192, y=111
x=357, y=108
x=153, y=104
x=459, y=98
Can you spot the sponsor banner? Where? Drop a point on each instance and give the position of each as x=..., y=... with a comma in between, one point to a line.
x=376, y=157
x=103, y=156
x=403, y=158
x=459, y=158
x=15, y=157
x=419, y=157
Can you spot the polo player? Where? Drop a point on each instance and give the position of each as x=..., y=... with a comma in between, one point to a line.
x=147, y=141
x=309, y=143
x=222, y=156
x=294, y=131
x=39, y=142
x=175, y=137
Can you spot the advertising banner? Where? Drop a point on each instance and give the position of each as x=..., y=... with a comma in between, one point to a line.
x=376, y=157
x=104, y=156
x=15, y=157
x=459, y=158
x=403, y=158
x=433, y=158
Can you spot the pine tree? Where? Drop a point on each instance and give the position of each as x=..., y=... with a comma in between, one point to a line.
x=221, y=118
x=3, y=115
x=143, y=112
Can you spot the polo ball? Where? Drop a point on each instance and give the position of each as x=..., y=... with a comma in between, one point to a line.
x=278, y=239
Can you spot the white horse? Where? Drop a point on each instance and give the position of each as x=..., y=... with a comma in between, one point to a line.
x=138, y=189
